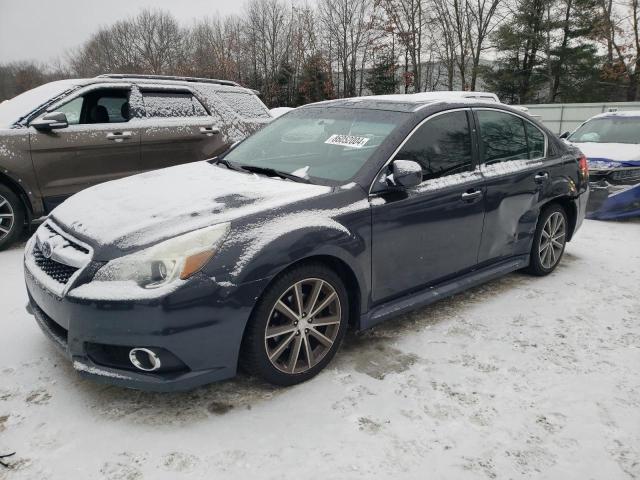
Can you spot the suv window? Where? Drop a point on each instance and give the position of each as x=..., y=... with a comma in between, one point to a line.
x=107, y=105
x=246, y=104
x=536, y=140
x=502, y=137
x=72, y=110
x=442, y=145
x=172, y=104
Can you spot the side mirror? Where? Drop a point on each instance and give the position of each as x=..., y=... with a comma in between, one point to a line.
x=565, y=134
x=51, y=121
x=406, y=173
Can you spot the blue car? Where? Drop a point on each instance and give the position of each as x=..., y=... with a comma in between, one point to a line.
x=611, y=143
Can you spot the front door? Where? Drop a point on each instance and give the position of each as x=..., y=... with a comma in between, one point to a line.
x=424, y=235
x=99, y=144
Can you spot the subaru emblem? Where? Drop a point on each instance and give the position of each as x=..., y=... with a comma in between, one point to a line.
x=46, y=249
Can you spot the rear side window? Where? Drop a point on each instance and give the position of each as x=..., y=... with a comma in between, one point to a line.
x=442, y=145
x=172, y=104
x=246, y=104
x=535, y=139
x=502, y=137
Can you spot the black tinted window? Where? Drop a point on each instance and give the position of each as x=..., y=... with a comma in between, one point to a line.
x=172, y=104
x=502, y=137
x=442, y=145
x=535, y=137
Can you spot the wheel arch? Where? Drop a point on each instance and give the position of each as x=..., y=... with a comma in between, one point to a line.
x=342, y=268
x=17, y=188
x=568, y=205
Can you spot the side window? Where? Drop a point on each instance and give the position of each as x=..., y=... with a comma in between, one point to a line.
x=109, y=105
x=442, y=145
x=72, y=110
x=502, y=137
x=535, y=138
x=246, y=104
x=172, y=104
x=117, y=108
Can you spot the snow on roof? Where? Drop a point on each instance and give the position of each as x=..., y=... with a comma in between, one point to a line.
x=17, y=107
x=436, y=96
x=625, y=113
x=410, y=101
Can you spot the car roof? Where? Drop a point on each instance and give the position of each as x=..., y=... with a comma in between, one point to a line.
x=160, y=80
x=410, y=102
x=624, y=113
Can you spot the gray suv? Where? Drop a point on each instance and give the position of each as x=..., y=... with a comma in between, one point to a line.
x=64, y=136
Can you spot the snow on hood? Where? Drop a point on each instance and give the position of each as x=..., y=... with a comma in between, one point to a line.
x=599, y=153
x=160, y=204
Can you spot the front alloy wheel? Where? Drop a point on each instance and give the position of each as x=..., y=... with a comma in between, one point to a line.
x=303, y=326
x=297, y=326
x=12, y=217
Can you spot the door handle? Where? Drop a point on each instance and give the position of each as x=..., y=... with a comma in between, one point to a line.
x=119, y=136
x=209, y=130
x=541, y=177
x=469, y=196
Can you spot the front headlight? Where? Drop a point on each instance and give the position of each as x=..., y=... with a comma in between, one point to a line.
x=166, y=262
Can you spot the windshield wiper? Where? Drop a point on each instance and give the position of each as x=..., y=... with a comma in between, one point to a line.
x=226, y=163
x=274, y=172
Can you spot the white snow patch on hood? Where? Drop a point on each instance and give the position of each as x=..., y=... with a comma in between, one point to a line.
x=164, y=203
x=620, y=152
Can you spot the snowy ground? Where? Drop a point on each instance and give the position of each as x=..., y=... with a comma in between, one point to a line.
x=521, y=378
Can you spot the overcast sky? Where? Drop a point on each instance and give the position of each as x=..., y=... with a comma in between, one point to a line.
x=44, y=29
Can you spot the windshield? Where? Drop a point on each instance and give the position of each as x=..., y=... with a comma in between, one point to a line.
x=608, y=130
x=13, y=110
x=322, y=145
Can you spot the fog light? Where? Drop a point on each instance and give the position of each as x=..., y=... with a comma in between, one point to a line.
x=144, y=359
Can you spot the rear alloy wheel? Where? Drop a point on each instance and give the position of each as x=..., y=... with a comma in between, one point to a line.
x=549, y=241
x=297, y=326
x=11, y=217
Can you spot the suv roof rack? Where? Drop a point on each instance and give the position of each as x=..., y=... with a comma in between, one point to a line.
x=169, y=77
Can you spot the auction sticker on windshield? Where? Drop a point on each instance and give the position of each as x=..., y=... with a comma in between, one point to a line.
x=347, y=140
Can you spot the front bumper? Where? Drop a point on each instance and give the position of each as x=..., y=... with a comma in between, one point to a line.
x=613, y=202
x=200, y=324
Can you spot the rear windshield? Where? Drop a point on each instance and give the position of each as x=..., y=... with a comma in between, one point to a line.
x=608, y=130
x=324, y=145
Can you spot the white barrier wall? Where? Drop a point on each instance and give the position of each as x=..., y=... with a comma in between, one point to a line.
x=562, y=117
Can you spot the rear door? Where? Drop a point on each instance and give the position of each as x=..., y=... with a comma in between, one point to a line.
x=176, y=128
x=515, y=166
x=100, y=143
x=424, y=235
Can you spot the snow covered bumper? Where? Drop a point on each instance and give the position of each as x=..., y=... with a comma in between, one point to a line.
x=195, y=332
x=615, y=190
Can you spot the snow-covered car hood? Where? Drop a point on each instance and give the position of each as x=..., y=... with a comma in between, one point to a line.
x=610, y=155
x=146, y=208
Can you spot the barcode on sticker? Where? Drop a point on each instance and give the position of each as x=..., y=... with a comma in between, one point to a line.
x=347, y=141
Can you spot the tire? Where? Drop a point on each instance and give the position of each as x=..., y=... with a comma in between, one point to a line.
x=275, y=343
x=545, y=254
x=12, y=216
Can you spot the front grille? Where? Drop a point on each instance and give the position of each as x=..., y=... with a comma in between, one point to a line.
x=74, y=245
x=59, y=272
x=627, y=176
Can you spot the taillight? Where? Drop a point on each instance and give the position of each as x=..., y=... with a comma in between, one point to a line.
x=583, y=166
